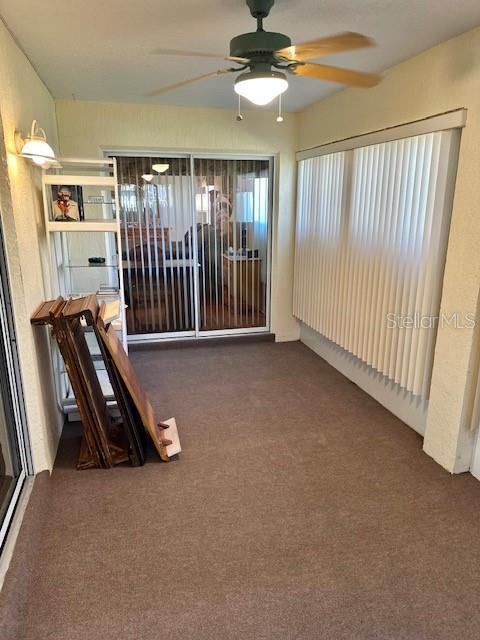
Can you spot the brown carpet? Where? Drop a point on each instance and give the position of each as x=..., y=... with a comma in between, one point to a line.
x=299, y=509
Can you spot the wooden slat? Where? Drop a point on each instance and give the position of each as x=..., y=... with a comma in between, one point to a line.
x=131, y=420
x=85, y=459
x=112, y=311
x=92, y=388
x=87, y=308
x=82, y=307
x=43, y=311
x=72, y=369
x=132, y=383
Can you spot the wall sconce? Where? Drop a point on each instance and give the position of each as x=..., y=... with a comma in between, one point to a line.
x=35, y=146
x=148, y=177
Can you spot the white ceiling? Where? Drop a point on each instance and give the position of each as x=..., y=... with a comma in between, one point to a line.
x=101, y=49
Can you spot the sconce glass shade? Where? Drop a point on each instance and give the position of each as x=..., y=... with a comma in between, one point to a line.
x=36, y=146
x=148, y=177
x=38, y=150
x=261, y=87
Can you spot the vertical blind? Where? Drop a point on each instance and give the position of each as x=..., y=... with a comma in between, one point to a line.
x=372, y=228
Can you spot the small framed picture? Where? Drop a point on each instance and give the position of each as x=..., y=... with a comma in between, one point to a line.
x=67, y=203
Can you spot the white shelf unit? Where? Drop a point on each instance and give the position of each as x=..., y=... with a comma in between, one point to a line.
x=73, y=243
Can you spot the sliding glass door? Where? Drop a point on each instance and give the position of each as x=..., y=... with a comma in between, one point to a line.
x=13, y=452
x=195, y=236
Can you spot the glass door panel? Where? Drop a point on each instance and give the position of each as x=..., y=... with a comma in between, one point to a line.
x=13, y=453
x=10, y=461
x=232, y=204
x=157, y=252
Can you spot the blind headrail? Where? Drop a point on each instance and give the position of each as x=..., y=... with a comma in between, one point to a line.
x=455, y=119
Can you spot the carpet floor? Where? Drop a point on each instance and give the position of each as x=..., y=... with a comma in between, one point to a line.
x=299, y=509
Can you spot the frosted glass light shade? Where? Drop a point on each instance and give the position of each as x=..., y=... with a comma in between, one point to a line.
x=261, y=87
x=38, y=150
x=35, y=146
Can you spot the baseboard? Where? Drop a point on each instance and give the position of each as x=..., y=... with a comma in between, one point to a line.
x=409, y=408
x=475, y=464
x=14, y=529
x=201, y=342
x=287, y=337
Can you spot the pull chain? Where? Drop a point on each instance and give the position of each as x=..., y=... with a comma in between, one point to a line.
x=280, y=117
x=239, y=117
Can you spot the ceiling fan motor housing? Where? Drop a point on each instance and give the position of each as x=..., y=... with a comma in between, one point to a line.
x=258, y=44
x=260, y=8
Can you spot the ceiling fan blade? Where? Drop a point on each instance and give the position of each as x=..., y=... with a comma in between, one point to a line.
x=178, y=85
x=337, y=74
x=181, y=52
x=326, y=46
x=237, y=59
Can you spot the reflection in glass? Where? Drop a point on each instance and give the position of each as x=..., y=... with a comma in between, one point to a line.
x=232, y=230
x=12, y=464
x=194, y=260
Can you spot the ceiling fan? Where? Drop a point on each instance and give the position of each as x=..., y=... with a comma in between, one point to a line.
x=266, y=57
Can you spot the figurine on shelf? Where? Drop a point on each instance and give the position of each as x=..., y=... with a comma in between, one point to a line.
x=64, y=207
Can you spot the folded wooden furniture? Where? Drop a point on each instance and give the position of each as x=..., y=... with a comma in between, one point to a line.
x=49, y=313
x=105, y=443
x=87, y=309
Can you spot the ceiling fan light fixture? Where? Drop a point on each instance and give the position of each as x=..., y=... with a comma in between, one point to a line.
x=261, y=87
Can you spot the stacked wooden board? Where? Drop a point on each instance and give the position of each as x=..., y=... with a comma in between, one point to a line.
x=105, y=442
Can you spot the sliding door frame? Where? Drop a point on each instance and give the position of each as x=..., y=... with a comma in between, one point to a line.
x=198, y=333
x=12, y=391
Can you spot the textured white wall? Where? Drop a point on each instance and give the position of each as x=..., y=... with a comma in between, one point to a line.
x=23, y=97
x=87, y=127
x=440, y=79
